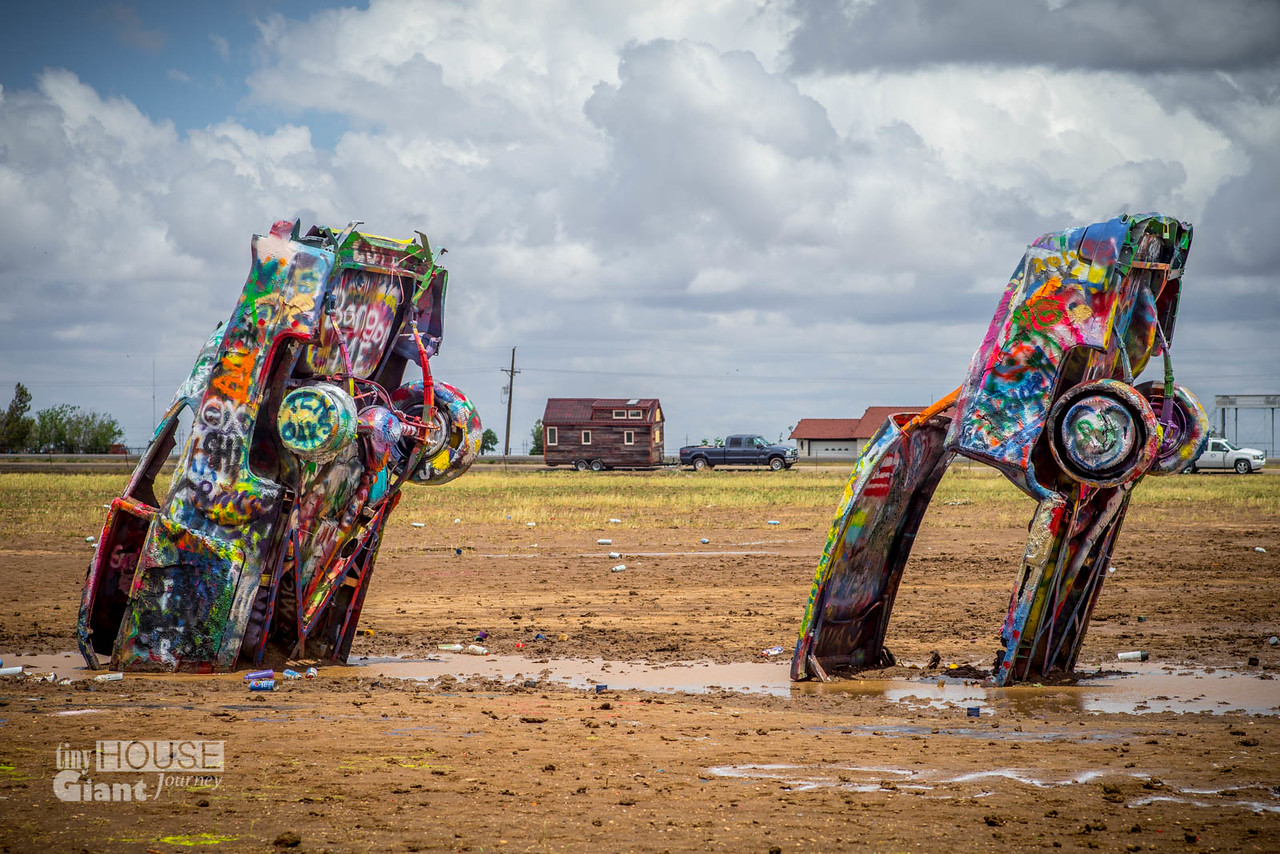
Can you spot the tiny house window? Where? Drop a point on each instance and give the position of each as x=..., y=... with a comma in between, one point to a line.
x=553, y=436
x=657, y=435
x=619, y=413
x=633, y=414
x=628, y=437
x=586, y=437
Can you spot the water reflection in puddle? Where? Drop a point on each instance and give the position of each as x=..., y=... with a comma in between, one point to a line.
x=1132, y=689
x=861, y=778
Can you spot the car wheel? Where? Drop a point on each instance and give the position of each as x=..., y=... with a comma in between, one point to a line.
x=1103, y=433
x=775, y=463
x=701, y=464
x=1242, y=466
x=455, y=440
x=597, y=465
x=1186, y=433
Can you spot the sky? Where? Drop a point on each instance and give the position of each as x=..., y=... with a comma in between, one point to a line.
x=754, y=211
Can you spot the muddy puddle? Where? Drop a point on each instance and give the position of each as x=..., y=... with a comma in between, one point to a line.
x=1124, y=689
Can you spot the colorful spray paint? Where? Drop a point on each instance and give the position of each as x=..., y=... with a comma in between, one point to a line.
x=268, y=533
x=1049, y=400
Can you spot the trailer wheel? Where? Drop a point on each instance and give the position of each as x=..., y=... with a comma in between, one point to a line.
x=597, y=465
x=581, y=465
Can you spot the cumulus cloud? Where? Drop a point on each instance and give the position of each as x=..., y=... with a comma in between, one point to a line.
x=755, y=211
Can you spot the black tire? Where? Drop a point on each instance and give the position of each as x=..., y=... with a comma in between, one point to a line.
x=581, y=465
x=597, y=465
x=1242, y=467
x=776, y=463
x=700, y=464
x=1194, y=469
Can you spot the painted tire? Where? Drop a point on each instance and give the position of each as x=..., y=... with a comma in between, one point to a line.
x=1103, y=433
x=1185, y=437
x=450, y=459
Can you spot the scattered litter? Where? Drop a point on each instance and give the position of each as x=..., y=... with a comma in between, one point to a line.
x=449, y=647
x=1111, y=570
x=1142, y=619
x=771, y=651
x=1253, y=661
x=600, y=689
x=65, y=680
x=475, y=649
x=481, y=635
x=49, y=677
x=11, y=671
x=616, y=521
x=457, y=551
x=106, y=506
x=531, y=683
x=603, y=542
x=974, y=711
x=1259, y=549
x=1136, y=655
x=564, y=637
x=262, y=685
x=457, y=521
x=1273, y=640
x=539, y=636
x=109, y=677
x=312, y=673
x=619, y=568
x=418, y=524
x=259, y=674
x=705, y=541
x=292, y=674
x=774, y=522
x=519, y=644
x=953, y=667
x=614, y=555
x=88, y=539
x=958, y=502
x=531, y=524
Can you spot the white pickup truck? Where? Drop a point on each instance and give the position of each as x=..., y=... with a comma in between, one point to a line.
x=1221, y=454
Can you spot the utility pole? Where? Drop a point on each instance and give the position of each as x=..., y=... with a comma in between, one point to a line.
x=511, y=387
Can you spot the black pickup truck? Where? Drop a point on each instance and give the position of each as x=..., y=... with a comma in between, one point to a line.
x=741, y=449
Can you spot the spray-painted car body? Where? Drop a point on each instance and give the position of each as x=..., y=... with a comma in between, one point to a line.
x=1049, y=401
x=302, y=434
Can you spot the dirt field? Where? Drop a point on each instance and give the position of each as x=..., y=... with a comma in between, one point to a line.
x=357, y=761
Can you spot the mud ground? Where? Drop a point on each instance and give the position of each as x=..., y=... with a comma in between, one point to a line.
x=355, y=762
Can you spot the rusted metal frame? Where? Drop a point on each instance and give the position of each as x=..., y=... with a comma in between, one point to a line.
x=1106, y=517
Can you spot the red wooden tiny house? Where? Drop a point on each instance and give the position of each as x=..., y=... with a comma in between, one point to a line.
x=602, y=433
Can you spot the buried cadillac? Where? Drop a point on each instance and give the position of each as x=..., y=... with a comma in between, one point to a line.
x=304, y=429
x=1050, y=402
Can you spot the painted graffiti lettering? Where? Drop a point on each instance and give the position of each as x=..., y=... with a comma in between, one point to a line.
x=223, y=450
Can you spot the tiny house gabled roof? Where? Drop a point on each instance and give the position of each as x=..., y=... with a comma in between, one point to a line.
x=579, y=410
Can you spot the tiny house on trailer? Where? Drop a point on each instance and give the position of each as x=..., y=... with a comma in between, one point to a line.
x=596, y=434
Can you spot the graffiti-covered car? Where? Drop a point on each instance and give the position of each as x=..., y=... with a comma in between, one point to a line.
x=310, y=409
x=1050, y=401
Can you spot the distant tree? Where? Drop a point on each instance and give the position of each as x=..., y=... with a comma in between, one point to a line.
x=93, y=433
x=488, y=441
x=66, y=429
x=536, y=434
x=16, y=425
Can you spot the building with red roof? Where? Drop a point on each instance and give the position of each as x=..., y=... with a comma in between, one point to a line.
x=842, y=437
